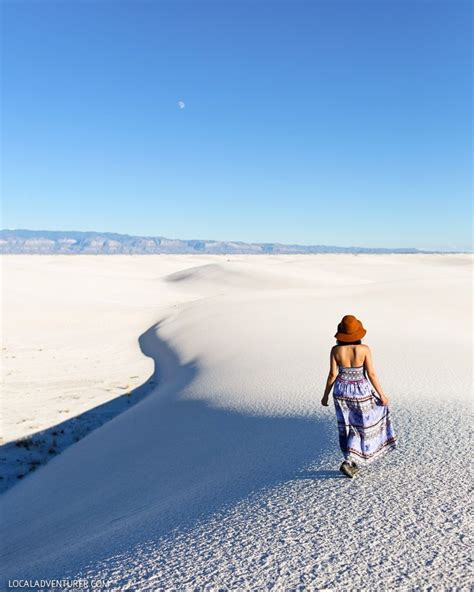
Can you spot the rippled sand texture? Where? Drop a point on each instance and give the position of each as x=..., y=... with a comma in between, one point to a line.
x=223, y=474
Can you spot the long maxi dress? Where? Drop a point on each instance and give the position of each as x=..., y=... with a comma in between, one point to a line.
x=365, y=430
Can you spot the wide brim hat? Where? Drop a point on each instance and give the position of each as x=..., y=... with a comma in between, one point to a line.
x=350, y=329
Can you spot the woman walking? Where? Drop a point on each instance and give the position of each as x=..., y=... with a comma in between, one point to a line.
x=363, y=418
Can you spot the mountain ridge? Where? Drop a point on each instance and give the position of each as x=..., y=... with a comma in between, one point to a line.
x=25, y=241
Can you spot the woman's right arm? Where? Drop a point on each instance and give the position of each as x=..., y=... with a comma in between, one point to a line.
x=370, y=370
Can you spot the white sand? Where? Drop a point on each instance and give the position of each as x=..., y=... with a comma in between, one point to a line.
x=225, y=475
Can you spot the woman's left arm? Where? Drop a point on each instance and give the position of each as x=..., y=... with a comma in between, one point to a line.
x=333, y=372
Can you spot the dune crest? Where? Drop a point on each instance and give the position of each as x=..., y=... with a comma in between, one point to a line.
x=231, y=451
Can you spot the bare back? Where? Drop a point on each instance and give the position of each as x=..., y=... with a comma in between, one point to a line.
x=350, y=356
x=355, y=356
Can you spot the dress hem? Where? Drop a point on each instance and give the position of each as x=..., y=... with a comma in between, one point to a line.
x=361, y=460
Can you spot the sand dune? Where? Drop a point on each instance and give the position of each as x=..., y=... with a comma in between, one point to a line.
x=225, y=474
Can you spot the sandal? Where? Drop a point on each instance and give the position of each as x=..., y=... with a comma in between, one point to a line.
x=355, y=468
x=347, y=469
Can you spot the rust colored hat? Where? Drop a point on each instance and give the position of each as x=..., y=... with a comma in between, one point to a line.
x=350, y=329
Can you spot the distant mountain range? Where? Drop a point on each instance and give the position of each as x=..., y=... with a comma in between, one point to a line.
x=95, y=243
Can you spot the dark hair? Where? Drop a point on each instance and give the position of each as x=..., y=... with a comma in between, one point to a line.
x=358, y=342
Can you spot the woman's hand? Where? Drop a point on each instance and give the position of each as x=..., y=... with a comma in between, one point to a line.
x=324, y=401
x=382, y=398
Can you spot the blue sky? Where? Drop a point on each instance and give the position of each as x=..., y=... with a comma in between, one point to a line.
x=345, y=123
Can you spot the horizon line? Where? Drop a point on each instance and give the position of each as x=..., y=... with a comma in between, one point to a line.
x=237, y=241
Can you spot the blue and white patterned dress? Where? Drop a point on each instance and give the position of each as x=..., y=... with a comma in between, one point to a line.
x=365, y=429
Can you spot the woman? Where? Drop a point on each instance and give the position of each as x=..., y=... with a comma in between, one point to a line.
x=365, y=430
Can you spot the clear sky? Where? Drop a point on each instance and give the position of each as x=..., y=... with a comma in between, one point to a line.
x=342, y=123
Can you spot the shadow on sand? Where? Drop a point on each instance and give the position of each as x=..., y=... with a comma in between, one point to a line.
x=178, y=460
x=22, y=457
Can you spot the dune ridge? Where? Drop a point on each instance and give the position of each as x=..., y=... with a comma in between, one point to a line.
x=226, y=473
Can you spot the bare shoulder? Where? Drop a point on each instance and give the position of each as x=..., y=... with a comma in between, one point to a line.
x=333, y=353
x=365, y=351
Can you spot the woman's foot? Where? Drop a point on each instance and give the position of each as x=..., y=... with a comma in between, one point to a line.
x=347, y=469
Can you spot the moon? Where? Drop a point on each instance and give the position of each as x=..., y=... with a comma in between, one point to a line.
x=181, y=104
